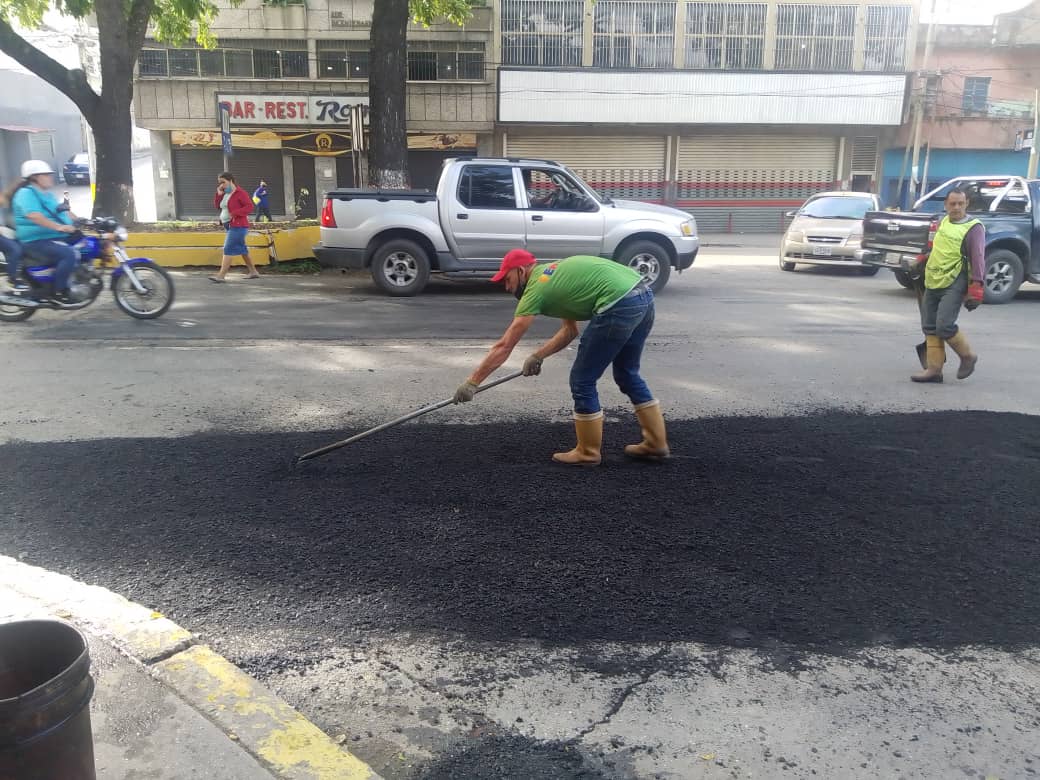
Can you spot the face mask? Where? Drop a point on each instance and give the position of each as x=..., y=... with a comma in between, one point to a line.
x=518, y=293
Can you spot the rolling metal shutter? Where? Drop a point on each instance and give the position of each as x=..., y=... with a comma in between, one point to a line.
x=616, y=166
x=864, y=155
x=195, y=174
x=745, y=183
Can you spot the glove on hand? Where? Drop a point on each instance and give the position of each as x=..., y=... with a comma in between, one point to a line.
x=533, y=366
x=973, y=299
x=465, y=392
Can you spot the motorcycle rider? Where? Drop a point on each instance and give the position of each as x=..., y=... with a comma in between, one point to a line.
x=9, y=246
x=43, y=227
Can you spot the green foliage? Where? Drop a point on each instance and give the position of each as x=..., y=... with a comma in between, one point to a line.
x=425, y=12
x=174, y=21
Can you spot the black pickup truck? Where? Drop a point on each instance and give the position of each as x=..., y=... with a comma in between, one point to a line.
x=1009, y=207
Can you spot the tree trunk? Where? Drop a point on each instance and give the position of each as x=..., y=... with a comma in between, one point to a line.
x=112, y=125
x=388, y=150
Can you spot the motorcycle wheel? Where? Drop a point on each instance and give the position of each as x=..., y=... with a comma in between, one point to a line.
x=15, y=313
x=157, y=299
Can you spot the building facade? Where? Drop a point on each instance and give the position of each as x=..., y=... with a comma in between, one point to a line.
x=735, y=111
x=38, y=123
x=978, y=92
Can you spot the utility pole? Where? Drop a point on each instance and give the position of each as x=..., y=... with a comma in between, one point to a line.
x=1031, y=173
x=915, y=178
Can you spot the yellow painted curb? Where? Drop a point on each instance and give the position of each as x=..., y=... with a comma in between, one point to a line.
x=296, y=244
x=267, y=727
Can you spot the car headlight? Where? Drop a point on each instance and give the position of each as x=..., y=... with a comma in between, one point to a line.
x=687, y=228
x=797, y=236
x=121, y=234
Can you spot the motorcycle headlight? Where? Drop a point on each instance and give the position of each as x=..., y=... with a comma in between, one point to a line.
x=121, y=234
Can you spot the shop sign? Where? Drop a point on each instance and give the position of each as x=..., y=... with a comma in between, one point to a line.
x=312, y=110
x=330, y=144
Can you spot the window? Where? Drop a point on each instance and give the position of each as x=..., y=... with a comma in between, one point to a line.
x=211, y=62
x=428, y=61
x=815, y=37
x=487, y=187
x=152, y=62
x=335, y=61
x=886, y=37
x=631, y=34
x=239, y=63
x=552, y=190
x=725, y=35
x=184, y=62
x=976, y=95
x=542, y=32
x=278, y=64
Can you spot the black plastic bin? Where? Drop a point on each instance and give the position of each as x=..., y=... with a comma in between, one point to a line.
x=45, y=690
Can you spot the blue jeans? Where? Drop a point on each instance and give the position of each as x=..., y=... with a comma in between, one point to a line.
x=13, y=255
x=616, y=336
x=57, y=253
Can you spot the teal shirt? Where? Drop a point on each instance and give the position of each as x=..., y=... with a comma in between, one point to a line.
x=29, y=199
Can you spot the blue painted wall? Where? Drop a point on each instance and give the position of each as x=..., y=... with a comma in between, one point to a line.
x=944, y=164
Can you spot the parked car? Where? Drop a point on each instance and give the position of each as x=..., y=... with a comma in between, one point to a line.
x=827, y=230
x=1009, y=207
x=483, y=207
x=77, y=169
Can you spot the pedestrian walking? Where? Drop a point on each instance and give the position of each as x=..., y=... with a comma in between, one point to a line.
x=263, y=205
x=235, y=207
x=953, y=275
x=619, y=307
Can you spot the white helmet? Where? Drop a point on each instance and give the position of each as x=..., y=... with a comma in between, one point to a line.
x=35, y=167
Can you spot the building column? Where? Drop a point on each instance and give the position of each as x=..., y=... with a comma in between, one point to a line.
x=769, y=39
x=325, y=176
x=588, y=25
x=312, y=58
x=289, y=187
x=679, y=55
x=162, y=176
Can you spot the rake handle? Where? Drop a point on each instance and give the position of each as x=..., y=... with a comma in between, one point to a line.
x=405, y=418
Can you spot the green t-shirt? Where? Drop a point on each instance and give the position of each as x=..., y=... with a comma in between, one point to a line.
x=577, y=288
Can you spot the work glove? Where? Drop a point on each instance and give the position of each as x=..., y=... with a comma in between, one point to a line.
x=465, y=392
x=973, y=299
x=533, y=366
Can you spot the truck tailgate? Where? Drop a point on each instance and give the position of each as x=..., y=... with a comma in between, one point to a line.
x=896, y=231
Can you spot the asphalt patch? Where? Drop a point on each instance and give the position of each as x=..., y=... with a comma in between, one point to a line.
x=835, y=530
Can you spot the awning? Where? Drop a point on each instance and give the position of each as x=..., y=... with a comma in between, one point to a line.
x=24, y=129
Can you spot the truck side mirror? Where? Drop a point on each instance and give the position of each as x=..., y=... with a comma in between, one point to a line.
x=791, y=214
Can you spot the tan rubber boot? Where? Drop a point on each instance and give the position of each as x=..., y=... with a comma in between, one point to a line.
x=654, y=445
x=589, y=429
x=968, y=358
x=936, y=357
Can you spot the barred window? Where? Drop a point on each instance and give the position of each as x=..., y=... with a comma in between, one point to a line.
x=634, y=34
x=445, y=61
x=888, y=27
x=153, y=62
x=725, y=35
x=976, y=95
x=342, y=60
x=815, y=37
x=279, y=64
x=542, y=32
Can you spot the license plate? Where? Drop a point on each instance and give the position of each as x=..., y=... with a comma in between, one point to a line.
x=821, y=251
x=893, y=258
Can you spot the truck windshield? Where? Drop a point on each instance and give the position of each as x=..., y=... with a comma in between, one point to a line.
x=837, y=208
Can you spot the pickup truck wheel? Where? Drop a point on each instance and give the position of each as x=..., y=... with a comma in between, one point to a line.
x=400, y=268
x=904, y=279
x=1004, y=275
x=650, y=259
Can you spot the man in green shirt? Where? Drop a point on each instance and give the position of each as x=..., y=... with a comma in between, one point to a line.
x=953, y=275
x=619, y=308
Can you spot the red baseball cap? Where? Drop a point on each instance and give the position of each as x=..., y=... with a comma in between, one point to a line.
x=515, y=258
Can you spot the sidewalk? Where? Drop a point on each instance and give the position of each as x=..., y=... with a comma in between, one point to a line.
x=165, y=707
x=741, y=240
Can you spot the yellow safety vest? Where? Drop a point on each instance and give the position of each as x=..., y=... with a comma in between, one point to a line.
x=946, y=260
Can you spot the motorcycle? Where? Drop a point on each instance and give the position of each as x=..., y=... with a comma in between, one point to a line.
x=141, y=288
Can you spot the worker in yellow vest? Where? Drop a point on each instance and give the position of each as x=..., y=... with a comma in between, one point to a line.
x=952, y=276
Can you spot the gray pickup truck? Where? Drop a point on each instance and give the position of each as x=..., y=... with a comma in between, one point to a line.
x=483, y=207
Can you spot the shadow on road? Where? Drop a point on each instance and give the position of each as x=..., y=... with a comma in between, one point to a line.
x=829, y=530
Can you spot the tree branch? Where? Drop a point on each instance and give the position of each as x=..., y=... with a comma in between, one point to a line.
x=137, y=26
x=72, y=83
